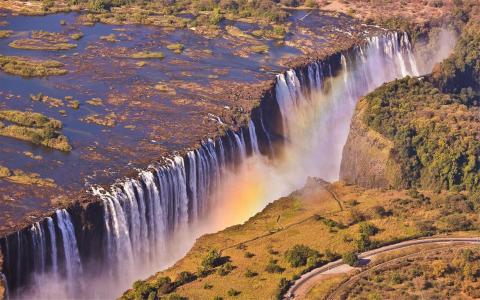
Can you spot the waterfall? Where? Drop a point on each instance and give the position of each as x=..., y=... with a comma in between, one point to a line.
x=38, y=239
x=73, y=264
x=143, y=218
x=53, y=245
x=253, y=137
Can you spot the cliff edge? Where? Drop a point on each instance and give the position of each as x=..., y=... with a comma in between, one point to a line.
x=366, y=155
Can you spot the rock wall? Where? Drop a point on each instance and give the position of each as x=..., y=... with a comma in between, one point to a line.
x=366, y=159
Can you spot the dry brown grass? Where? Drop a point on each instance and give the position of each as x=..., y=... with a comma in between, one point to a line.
x=291, y=220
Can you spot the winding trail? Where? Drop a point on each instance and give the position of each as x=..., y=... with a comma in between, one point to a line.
x=303, y=285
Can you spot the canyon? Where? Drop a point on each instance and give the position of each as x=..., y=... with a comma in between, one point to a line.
x=294, y=128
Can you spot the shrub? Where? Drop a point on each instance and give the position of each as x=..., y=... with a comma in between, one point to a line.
x=204, y=272
x=216, y=17
x=350, y=258
x=468, y=255
x=185, y=277
x=356, y=216
x=364, y=243
x=249, y=273
x=283, y=286
x=299, y=254
x=379, y=211
x=333, y=224
x=396, y=278
x=175, y=297
x=458, y=222
x=163, y=285
x=225, y=269
x=331, y=256
x=207, y=286
x=211, y=260
x=273, y=267
x=426, y=227
x=142, y=289
x=233, y=292
x=368, y=229
x=249, y=254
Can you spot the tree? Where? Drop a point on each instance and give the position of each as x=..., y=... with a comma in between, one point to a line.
x=300, y=254
x=350, y=258
x=211, y=260
x=368, y=229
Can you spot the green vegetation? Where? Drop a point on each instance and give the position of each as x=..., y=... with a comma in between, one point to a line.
x=4, y=172
x=43, y=40
x=205, y=13
x=147, y=55
x=462, y=69
x=211, y=260
x=26, y=67
x=5, y=33
x=442, y=274
x=350, y=258
x=273, y=267
x=76, y=36
x=108, y=120
x=29, y=119
x=299, y=255
x=284, y=248
x=95, y=101
x=433, y=122
x=262, y=49
x=278, y=32
x=21, y=177
x=35, y=128
x=237, y=32
x=176, y=48
x=111, y=38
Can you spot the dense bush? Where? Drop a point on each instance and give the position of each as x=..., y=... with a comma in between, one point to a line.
x=273, y=267
x=212, y=259
x=225, y=269
x=428, y=146
x=299, y=255
x=433, y=123
x=350, y=258
x=233, y=292
x=185, y=277
x=368, y=229
x=163, y=285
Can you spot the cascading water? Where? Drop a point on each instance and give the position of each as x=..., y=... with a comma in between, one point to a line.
x=36, y=249
x=150, y=221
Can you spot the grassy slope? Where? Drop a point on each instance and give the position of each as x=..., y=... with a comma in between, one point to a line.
x=406, y=217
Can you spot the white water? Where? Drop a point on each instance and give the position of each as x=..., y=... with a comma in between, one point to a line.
x=152, y=221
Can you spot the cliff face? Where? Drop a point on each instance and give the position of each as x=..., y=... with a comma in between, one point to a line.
x=366, y=158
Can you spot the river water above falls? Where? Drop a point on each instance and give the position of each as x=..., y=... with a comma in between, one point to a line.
x=147, y=223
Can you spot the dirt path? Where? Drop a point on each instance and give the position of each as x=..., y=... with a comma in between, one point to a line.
x=303, y=285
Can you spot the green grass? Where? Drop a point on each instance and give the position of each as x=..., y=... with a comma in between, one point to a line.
x=26, y=67
x=176, y=48
x=148, y=55
x=5, y=33
x=35, y=128
x=33, y=44
x=76, y=36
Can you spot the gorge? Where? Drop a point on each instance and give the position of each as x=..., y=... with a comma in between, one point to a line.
x=145, y=223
